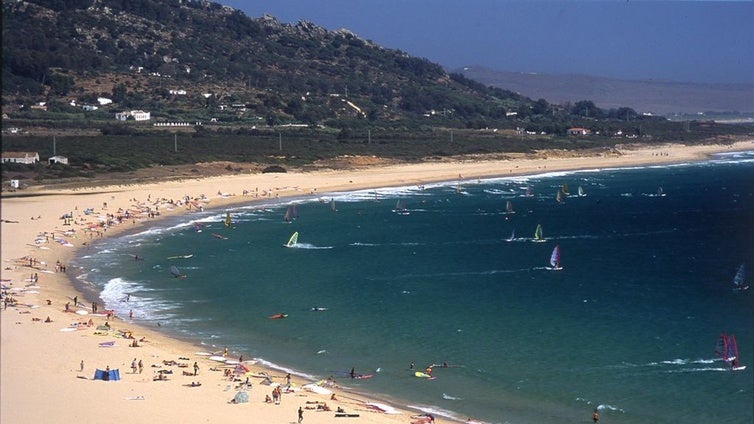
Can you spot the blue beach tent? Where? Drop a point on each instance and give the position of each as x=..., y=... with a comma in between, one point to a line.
x=111, y=375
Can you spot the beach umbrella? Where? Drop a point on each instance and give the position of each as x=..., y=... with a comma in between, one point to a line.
x=241, y=369
x=241, y=397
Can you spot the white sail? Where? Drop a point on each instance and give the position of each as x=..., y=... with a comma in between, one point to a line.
x=738, y=279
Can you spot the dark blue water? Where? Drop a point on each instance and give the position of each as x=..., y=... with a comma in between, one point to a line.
x=628, y=325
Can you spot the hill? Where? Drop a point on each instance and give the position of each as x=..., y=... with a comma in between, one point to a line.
x=658, y=97
x=191, y=81
x=197, y=60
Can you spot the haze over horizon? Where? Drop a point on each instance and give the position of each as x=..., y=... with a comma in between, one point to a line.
x=682, y=41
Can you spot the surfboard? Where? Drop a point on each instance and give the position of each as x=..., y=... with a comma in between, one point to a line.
x=180, y=256
x=278, y=316
x=316, y=389
x=82, y=312
x=203, y=354
x=381, y=407
x=218, y=358
x=424, y=375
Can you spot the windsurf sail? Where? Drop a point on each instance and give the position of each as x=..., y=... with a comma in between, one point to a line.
x=555, y=258
x=293, y=240
x=564, y=189
x=581, y=192
x=509, y=207
x=559, y=196
x=513, y=235
x=228, y=222
x=529, y=192
x=176, y=273
x=727, y=348
x=538, y=234
x=738, y=279
x=400, y=208
x=291, y=213
x=660, y=191
x=332, y=205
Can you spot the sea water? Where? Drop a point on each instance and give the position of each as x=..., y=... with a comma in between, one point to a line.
x=628, y=326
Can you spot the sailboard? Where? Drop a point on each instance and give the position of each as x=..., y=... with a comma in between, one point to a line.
x=176, y=272
x=513, y=236
x=564, y=189
x=228, y=221
x=555, y=260
x=423, y=375
x=400, y=208
x=509, y=207
x=538, y=238
x=660, y=192
x=727, y=349
x=332, y=205
x=529, y=193
x=293, y=240
x=738, y=279
x=181, y=256
x=559, y=196
x=291, y=213
x=581, y=192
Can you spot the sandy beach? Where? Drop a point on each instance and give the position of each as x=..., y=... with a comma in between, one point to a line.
x=49, y=355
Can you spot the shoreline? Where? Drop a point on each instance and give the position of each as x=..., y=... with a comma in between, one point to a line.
x=44, y=360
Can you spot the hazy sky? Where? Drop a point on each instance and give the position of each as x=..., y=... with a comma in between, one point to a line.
x=697, y=41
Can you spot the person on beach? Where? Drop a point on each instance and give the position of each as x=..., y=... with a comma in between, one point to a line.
x=141, y=366
x=300, y=414
x=196, y=368
x=81, y=366
x=133, y=366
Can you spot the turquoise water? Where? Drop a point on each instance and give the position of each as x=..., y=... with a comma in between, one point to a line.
x=628, y=326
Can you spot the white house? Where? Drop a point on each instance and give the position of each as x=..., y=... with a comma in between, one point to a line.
x=28, y=158
x=57, y=159
x=137, y=115
x=103, y=101
x=178, y=92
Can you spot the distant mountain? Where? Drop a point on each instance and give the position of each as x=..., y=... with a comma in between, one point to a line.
x=657, y=97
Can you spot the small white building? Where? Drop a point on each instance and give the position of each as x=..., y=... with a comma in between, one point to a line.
x=57, y=159
x=137, y=115
x=578, y=131
x=28, y=158
x=103, y=101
